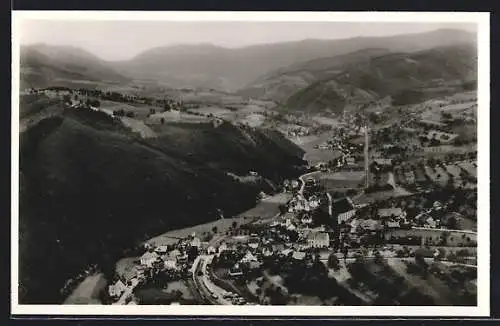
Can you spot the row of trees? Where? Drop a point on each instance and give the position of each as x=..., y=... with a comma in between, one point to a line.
x=123, y=113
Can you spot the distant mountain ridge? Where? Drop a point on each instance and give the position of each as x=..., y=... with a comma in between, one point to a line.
x=396, y=75
x=44, y=65
x=231, y=69
x=279, y=85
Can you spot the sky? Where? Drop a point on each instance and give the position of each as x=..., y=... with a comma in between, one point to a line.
x=121, y=40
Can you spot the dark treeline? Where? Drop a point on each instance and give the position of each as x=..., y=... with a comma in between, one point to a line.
x=165, y=103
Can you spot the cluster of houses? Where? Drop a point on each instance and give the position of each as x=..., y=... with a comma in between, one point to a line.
x=257, y=249
x=299, y=203
x=168, y=258
x=298, y=131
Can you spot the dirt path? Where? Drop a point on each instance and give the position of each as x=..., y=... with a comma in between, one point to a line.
x=399, y=267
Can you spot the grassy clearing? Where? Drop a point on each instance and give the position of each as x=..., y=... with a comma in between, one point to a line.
x=181, y=287
x=216, y=111
x=139, y=127
x=469, y=167
x=88, y=291
x=342, y=175
x=341, y=180
x=140, y=111
x=267, y=208
x=316, y=155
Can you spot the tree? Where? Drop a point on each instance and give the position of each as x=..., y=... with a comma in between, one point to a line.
x=419, y=259
x=451, y=257
x=333, y=261
x=162, y=120
x=379, y=259
x=234, y=224
x=452, y=223
x=214, y=229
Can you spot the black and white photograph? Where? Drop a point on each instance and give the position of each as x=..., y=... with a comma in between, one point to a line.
x=204, y=163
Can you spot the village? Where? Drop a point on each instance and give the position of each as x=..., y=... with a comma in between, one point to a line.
x=400, y=193
x=312, y=227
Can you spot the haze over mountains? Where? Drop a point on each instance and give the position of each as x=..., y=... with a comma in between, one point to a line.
x=44, y=65
x=211, y=66
x=372, y=77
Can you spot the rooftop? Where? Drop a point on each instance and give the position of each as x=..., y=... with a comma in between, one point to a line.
x=148, y=255
x=318, y=236
x=387, y=212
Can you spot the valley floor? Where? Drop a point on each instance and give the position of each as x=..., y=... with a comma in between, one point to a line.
x=266, y=208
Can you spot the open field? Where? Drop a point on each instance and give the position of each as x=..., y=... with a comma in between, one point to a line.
x=207, y=96
x=326, y=121
x=341, y=175
x=379, y=196
x=454, y=170
x=176, y=291
x=316, y=155
x=156, y=119
x=88, y=291
x=182, y=288
x=431, y=109
x=214, y=110
x=457, y=107
x=341, y=180
x=437, y=175
x=140, y=111
x=253, y=120
x=469, y=168
x=267, y=208
x=139, y=127
x=171, y=237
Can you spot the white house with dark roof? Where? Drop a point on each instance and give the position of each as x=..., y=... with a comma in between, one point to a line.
x=117, y=289
x=393, y=224
x=211, y=250
x=396, y=212
x=299, y=255
x=170, y=264
x=318, y=240
x=222, y=247
x=266, y=251
x=306, y=219
x=196, y=242
x=235, y=270
x=249, y=257
x=174, y=253
x=161, y=250
x=148, y=258
x=383, y=161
